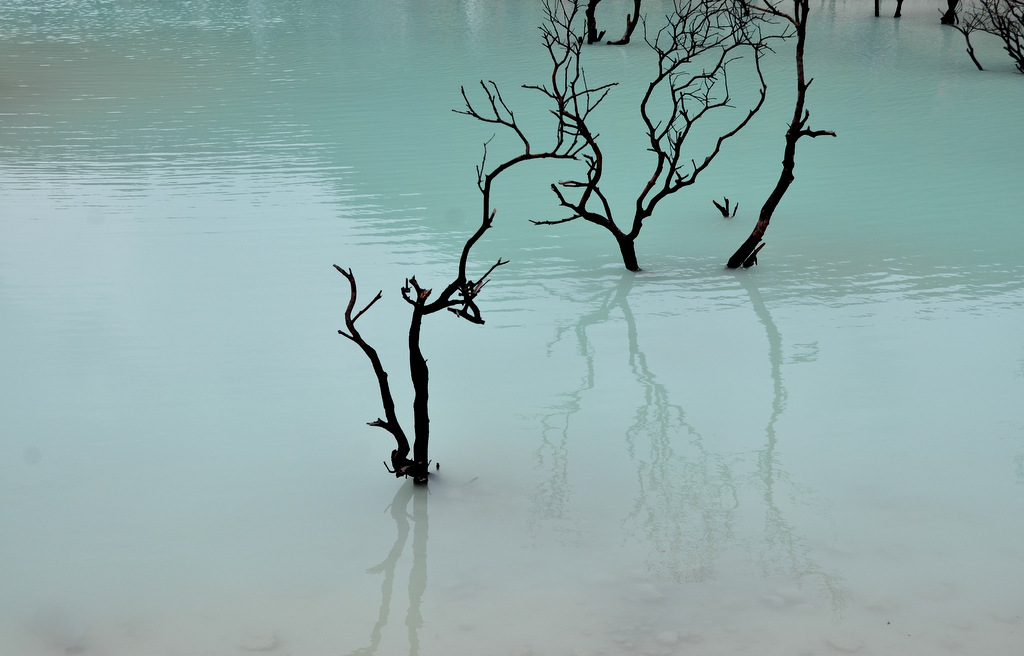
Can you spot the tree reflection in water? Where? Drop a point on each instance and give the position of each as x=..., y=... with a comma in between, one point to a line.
x=784, y=552
x=690, y=495
x=551, y=498
x=399, y=509
x=686, y=504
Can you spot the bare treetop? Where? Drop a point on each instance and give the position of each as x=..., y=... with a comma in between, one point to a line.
x=694, y=49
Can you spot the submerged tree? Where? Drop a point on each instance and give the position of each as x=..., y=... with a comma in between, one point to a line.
x=458, y=296
x=1000, y=18
x=694, y=51
x=746, y=255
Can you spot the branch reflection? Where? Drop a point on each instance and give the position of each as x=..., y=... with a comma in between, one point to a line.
x=417, y=575
x=687, y=497
x=692, y=498
x=551, y=497
x=783, y=551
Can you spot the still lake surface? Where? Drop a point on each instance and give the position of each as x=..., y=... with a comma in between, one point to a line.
x=823, y=454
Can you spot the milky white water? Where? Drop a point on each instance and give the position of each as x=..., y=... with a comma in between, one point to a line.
x=821, y=455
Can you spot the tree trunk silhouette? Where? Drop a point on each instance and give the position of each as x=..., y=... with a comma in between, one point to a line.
x=593, y=36
x=627, y=249
x=421, y=393
x=949, y=16
x=631, y=21
x=746, y=255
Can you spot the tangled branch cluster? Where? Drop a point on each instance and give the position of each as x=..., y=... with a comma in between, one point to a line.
x=1000, y=18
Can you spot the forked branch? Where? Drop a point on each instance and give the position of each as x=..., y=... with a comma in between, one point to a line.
x=390, y=423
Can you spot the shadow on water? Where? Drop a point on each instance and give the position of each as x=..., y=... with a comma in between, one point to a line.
x=405, y=523
x=692, y=497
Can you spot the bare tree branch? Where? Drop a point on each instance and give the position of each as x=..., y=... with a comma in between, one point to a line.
x=699, y=43
x=631, y=22
x=746, y=255
x=400, y=456
x=697, y=47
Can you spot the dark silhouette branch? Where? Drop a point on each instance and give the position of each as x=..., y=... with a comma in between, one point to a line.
x=459, y=297
x=699, y=43
x=593, y=36
x=724, y=209
x=949, y=16
x=972, y=22
x=400, y=456
x=746, y=255
x=695, y=50
x=631, y=23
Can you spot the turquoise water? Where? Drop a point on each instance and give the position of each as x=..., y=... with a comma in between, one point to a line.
x=823, y=454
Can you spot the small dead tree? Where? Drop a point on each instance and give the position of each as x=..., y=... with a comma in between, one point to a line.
x=724, y=209
x=746, y=255
x=694, y=51
x=459, y=296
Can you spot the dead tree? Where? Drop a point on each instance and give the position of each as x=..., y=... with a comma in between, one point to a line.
x=746, y=255
x=694, y=51
x=701, y=41
x=1007, y=21
x=459, y=296
x=1001, y=18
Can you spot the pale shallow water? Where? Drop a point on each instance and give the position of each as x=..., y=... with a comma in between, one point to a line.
x=821, y=455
